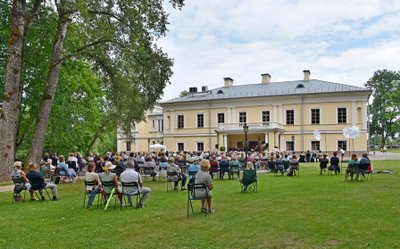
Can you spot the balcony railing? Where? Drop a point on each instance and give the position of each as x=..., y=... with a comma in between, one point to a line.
x=255, y=126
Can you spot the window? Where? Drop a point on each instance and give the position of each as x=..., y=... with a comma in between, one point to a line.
x=242, y=117
x=181, y=147
x=342, y=115
x=200, y=146
x=128, y=146
x=315, y=145
x=342, y=144
x=221, y=118
x=200, y=120
x=265, y=116
x=181, y=123
x=159, y=125
x=289, y=145
x=315, y=116
x=154, y=123
x=289, y=117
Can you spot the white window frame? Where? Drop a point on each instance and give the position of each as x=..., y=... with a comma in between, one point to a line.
x=197, y=121
x=239, y=117
x=337, y=144
x=310, y=120
x=216, y=117
x=177, y=121
x=294, y=116
x=197, y=142
x=261, y=114
x=177, y=146
x=337, y=114
x=314, y=140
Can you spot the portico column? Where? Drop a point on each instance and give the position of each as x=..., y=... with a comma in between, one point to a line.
x=226, y=141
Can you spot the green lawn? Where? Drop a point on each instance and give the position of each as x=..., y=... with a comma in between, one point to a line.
x=310, y=211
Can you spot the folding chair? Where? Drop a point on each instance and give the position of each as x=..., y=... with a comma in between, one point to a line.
x=271, y=166
x=39, y=193
x=170, y=179
x=149, y=171
x=88, y=192
x=249, y=181
x=130, y=189
x=108, y=187
x=366, y=170
x=286, y=165
x=196, y=192
x=223, y=168
x=163, y=170
x=279, y=167
x=19, y=185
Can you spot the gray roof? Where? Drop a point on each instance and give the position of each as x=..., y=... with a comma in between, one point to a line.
x=312, y=86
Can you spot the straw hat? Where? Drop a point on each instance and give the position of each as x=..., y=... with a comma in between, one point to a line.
x=108, y=166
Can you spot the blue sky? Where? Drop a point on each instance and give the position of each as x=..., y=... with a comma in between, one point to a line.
x=340, y=41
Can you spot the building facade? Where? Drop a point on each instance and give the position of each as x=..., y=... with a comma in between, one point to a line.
x=283, y=115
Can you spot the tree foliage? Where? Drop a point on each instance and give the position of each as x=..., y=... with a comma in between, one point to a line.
x=384, y=110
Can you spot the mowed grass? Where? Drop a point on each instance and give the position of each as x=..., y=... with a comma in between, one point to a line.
x=309, y=211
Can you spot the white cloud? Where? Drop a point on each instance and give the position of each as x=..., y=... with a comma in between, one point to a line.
x=341, y=41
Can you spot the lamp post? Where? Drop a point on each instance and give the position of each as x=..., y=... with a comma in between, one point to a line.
x=293, y=142
x=245, y=130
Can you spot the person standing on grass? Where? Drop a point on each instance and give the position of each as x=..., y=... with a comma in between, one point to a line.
x=204, y=177
x=37, y=183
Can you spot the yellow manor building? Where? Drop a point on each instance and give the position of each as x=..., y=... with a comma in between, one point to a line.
x=282, y=115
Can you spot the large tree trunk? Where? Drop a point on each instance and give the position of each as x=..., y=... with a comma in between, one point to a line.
x=38, y=139
x=12, y=91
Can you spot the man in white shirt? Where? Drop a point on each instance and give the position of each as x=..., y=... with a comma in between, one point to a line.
x=130, y=175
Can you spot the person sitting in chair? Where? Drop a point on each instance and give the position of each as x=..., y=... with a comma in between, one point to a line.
x=352, y=167
x=204, y=177
x=179, y=176
x=294, y=165
x=193, y=168
x=37, y=183
x=20, y=180
x=108, y=176
x=364, y=164
x=323, y=163
x=335, y=163
x=130, y=175
x=65, y=171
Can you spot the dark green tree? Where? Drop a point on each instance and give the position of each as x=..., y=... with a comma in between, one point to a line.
x=383, y=110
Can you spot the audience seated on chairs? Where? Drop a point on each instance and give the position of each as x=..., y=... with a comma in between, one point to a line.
x=129, y=176
x=223, y=167
x=174, y=174
x=204, y=177
x=36, y=180
x=352, y=168
x=234, y=166
x=335, y=163
x=109, y=181
x=294, y=165
x=65, y=171
x=323, y=163
x=214, y=166
x=21, y=182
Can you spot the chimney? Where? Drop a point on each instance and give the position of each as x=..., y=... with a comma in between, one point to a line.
x=265, y=78
x=228, y=82
x=306, y=74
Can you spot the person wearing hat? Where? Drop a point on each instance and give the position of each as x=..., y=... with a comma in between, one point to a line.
x=204, y=177
x=108, y=176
